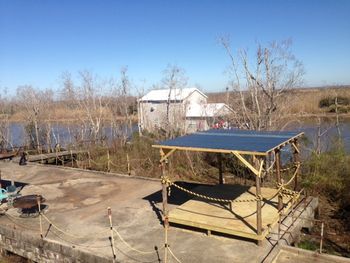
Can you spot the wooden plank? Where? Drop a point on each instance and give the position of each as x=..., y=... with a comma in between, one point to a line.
x=39, y=157
x=206, y=150
x=246, y=163
x=240, y=221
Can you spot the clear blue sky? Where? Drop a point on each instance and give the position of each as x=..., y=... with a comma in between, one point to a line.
x=41, y=39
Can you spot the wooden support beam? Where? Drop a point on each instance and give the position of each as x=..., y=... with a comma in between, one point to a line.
x=165, y=153
x=296, y=159
x=251, y=167
x=278, y=177
x=164, y=193
x=258, y=199
x=221, y=176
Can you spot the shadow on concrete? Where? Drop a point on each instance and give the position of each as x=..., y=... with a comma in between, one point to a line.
x=7, y=183
x=177, y=197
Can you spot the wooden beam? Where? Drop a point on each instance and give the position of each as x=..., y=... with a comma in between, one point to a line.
x=258, y=201
x=278, y=177
x=164, y=194
x=194, y=149
x=165, y=153
x=251, y=167
x=295, y=146
x=221, y=176
x=296, y=159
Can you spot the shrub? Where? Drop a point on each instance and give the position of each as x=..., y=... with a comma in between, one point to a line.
x=330, y=101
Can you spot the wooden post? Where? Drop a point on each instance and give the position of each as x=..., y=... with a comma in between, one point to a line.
x=71, y=157
x=108, y=162
x=89, y=157
x=279, y=179
x=40, y=220
x=321, y=241
x=296, y=159
x=128, y=163
x=0, y=180
x=221, y=176
x=109, y=210
x=165, y=211
x=258, y=201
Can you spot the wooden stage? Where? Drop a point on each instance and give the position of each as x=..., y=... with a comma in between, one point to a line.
x=218, y=217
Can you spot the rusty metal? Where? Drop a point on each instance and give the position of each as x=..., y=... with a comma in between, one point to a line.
x=28, y=201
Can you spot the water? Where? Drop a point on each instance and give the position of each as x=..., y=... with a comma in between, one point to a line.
x=66, y=133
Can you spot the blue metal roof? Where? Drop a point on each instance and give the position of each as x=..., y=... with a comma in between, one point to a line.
x=244, y=141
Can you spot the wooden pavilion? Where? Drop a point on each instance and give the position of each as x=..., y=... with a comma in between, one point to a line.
x=252, y=211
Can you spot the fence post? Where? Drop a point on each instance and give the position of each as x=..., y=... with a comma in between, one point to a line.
x=40, y=221
x=71, y=157
x=89, y=158
x=108, y=162
x=321, y=242
x=128, y=162
x=112, y=234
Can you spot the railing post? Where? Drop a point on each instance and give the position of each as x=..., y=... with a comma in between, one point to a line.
x=321, y=241
x=40, y=220
x=109, y=211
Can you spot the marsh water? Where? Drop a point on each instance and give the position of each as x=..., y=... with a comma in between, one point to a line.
x=65, y=134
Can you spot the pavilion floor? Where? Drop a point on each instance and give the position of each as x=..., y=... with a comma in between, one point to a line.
x=237, y=218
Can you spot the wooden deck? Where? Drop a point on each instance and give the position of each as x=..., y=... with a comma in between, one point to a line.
x=46, y=156
x=218, y=217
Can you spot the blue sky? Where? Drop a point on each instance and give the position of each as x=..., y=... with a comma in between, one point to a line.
x=41, y=39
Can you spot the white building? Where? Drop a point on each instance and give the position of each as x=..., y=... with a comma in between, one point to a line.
x=184, y=109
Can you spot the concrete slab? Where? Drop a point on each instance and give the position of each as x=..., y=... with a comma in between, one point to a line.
x=77, y=204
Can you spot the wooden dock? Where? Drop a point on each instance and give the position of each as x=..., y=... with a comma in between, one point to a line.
x=238, y=219
x=54, y=155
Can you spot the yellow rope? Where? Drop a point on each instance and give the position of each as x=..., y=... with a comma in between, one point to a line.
x=172, y=254
x=129, y=246
x=67, y=233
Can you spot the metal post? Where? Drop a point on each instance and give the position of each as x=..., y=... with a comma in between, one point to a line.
x=109, y=210
x=279, y=179
x=40, y=220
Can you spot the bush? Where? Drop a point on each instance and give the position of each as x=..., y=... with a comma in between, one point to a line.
x=330, y=101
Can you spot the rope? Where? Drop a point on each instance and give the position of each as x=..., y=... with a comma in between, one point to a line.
x=65, y=232
x=129, y=246
x=172, y=254
x=117, y=166
x=13, y=220
x=170, y=183
x=292, y=178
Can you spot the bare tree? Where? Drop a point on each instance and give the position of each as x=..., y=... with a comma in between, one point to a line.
x=259, y=80
x=5, y=140
x=88, y=100
x=37, y=106
x=174, y=80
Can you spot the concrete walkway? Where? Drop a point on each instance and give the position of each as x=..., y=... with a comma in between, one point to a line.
x=77, y=204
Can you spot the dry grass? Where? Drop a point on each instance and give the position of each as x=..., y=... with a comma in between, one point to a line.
x=303, y=101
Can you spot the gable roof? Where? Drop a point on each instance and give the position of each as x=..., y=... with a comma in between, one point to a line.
x=175, y=95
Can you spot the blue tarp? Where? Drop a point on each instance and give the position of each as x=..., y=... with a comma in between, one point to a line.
x=232, y=140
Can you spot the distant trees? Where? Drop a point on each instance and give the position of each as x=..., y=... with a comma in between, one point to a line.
x=174, y=80
x=259, y=80
x=37, y=105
